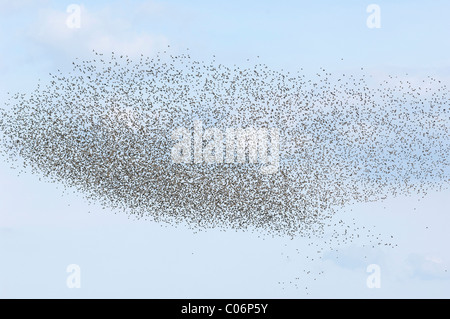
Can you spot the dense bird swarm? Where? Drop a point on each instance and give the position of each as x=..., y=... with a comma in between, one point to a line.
x=105, y=128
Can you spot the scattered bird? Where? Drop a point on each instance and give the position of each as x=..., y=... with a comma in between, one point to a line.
x=105, y=128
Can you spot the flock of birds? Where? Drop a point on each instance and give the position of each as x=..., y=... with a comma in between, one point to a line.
x=105, y=128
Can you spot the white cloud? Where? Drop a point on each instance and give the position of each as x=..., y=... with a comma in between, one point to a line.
x=104, y=30
x=427, y=267
x=9, y=6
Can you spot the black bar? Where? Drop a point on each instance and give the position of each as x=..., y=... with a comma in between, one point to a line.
x=201, y=308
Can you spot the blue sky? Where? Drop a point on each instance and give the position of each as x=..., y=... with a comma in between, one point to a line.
x=43, y=230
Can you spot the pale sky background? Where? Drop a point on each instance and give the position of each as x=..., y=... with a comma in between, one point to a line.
x=42, y=231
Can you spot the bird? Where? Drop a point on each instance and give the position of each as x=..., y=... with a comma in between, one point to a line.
x=105, y=129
